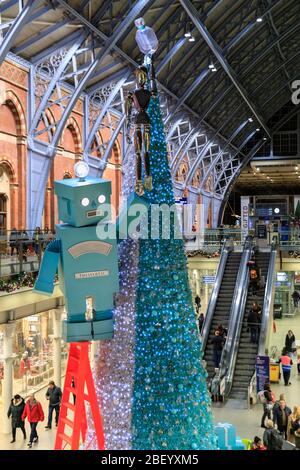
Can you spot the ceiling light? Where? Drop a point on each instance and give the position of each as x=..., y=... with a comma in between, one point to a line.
x=257, y=129
x=214, y=69
x=250, y=119
x=299, y=176
x=296, y=168
x=192, y=39
x=268, y=177
x=187, y=34
x=211, y=66
x=259, y=19
x=257, y=169
x=264, y=138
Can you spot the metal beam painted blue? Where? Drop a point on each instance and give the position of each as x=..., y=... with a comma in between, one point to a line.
x=104, y=110
x=215, y=48
x=14, y=30
x=219, y=155
x=8, y=5
x=56, y=77
x=109, y=148
x=109, y=44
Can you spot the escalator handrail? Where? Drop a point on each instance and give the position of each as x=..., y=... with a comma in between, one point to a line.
x=214, y=295
x=237, y=312
x=267, y=300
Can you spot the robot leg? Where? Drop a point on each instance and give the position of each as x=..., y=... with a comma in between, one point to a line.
x=146, y=138
x=138, y=143
x=76, y=327
x=103, y=325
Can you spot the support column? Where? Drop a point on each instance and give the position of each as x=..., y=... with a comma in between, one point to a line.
x=216, y=209
x=7, y=392
x=57, y=329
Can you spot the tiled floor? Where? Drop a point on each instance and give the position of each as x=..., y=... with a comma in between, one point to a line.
x=247, y=422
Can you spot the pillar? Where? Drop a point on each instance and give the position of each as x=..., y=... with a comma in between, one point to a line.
x=57, y=337
x=7, y=391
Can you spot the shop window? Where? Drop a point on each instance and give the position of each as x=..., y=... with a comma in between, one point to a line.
x=3, y=213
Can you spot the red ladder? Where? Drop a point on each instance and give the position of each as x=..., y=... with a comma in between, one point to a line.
x=78, y=378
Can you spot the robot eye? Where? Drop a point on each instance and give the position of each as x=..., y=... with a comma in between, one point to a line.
x=85, y=201
x=101, y=199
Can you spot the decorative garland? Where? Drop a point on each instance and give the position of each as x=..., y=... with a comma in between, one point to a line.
x=15, y=283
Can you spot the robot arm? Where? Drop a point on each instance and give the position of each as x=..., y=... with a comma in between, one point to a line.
x=127, y=216
x=45, y=280
x=128, y=110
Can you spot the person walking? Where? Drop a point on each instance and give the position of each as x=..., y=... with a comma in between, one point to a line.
x=290, y=342
x=267, y=401
x=15, y=411
x=286, y=364
x=272, y=439
x=218, y=343
x=222, y=331
x=34, y=413
x=54, y=395
x=281, y=416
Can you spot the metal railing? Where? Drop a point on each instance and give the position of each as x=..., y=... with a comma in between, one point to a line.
x=229, y=353
x=21, y=250
x=215, y=293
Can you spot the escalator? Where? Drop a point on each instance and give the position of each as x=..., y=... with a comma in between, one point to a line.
x=220, y=305
x=239, y=355
x=247, y=351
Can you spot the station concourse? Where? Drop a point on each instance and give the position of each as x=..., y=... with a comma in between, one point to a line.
x=150, y=221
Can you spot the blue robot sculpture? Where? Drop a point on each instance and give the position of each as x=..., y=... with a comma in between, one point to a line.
x=87, y=266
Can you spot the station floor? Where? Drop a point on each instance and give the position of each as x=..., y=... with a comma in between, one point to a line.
x=246, y=421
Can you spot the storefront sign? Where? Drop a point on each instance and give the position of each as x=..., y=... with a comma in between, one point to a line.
x=262, y=372
x=208, y=279
x=245, y=201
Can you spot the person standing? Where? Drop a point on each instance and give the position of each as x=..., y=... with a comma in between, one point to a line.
x=281, y=416
x=34, y=413
x=296, y=298
x=15, y=411
x=290, y=342
x=272, y=438
x=218, y=343
x=258, y=444
x=294, y=416
x=200, y=322
x=252, y=322
x=197, y=302
x=286, y=364
x=54, y=395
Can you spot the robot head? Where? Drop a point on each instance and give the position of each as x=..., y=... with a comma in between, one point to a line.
x=141, y=76
x=80, y=200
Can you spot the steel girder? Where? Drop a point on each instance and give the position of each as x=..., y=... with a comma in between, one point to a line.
x=39, y=162
x=220, y=155
x=14, y=27
x=194, y=15
x=230, y=166
x=212, y=141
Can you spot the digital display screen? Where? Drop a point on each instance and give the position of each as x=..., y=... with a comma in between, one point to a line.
x=282, y=277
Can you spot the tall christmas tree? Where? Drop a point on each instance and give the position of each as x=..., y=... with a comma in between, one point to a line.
x=171, y=405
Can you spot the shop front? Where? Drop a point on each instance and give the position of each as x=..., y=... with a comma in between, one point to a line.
x=34, y=344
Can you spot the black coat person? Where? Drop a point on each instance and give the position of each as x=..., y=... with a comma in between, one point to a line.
x=15, y=411
x=289, y=341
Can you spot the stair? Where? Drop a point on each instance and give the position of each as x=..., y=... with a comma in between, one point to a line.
x=247, y=352
x=223, y=306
